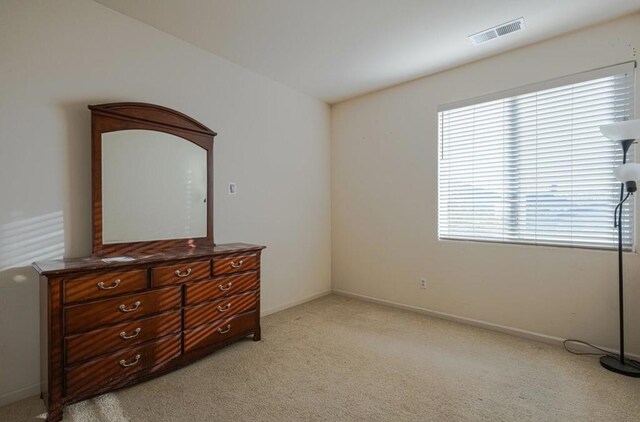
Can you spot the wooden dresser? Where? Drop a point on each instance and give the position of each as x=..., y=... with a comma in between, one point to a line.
x=110, y=324
x=156, y=292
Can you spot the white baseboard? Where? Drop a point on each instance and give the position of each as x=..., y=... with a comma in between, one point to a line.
x=531, y=335
x=23, y=393
x=265, y=312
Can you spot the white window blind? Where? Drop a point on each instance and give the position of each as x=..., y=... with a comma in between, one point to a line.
x=531, y=166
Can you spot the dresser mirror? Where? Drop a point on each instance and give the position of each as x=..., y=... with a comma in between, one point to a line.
x=154, y=187
x=152, y=179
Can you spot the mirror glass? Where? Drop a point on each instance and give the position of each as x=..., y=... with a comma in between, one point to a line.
x=154, y=187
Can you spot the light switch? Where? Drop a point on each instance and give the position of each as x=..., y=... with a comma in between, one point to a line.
x=232, y=188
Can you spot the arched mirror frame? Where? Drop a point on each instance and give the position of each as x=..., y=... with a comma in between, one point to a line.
x=125, y=116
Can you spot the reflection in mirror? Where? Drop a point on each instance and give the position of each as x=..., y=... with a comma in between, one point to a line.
x=154, y=187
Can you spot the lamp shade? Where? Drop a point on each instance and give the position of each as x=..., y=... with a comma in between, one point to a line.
x=620, y=131
x=627, y=172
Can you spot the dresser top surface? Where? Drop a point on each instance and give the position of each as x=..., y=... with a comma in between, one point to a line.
x=71, y=265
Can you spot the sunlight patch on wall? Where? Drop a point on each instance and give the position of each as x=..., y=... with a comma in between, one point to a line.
x=31, y=239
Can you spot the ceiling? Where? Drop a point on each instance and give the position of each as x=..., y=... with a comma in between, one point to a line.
x=338, y=49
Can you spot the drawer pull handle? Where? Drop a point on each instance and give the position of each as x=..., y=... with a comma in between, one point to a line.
x=133, y=334
x=238, y=265
x=226, y=330
x=135, y=306
x=126, y=364
x=115, y=284
x=225, y=288
x=183, y=274
x=225, y=309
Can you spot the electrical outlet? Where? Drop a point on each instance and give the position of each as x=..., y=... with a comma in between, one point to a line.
x=423, y=283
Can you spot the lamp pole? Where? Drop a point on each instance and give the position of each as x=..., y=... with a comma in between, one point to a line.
x=622, y=365
x=626, y=144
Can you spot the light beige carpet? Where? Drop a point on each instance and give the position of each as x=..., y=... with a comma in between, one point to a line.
x=339, y=359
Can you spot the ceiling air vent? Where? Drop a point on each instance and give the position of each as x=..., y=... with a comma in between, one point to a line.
x=497, y=31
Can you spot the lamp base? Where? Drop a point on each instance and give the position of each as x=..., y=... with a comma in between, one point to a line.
x=627, y=368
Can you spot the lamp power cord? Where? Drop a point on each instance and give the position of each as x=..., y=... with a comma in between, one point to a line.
x=601, y=352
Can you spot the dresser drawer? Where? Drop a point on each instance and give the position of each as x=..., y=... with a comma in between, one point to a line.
x=97, y=286
x=92, y=315
x=207, y=335
x=84, y=346
x=223, y=308
x=220, y=287
x=180, y=273
x=234, y=264
x=109, y=370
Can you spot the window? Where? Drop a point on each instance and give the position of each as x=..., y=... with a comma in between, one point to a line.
x=530, y=166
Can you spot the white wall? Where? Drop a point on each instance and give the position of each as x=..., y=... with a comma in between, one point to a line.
x=57, y=57
x=384, y=206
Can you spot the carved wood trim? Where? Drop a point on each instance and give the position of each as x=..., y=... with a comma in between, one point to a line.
x=150, y=114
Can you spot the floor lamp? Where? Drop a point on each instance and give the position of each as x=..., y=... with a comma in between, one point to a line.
x=625, y=132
